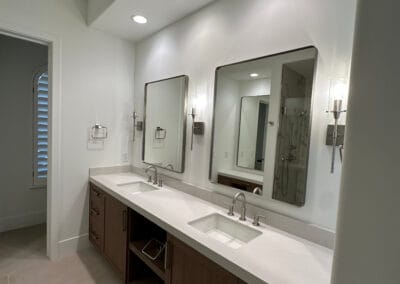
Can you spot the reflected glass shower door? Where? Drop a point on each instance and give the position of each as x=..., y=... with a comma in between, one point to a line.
x=290, y=174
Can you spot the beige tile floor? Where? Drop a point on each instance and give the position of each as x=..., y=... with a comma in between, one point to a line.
x=23, y=260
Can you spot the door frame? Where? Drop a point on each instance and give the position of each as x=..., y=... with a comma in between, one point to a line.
x=54, y=186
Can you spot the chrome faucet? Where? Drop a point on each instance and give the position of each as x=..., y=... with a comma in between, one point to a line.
x=256, y=220
x=155, y=180
x=243, y=211
x=257, y=190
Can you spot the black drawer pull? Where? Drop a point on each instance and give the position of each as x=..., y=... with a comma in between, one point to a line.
x=94, y=236
x=94, y=212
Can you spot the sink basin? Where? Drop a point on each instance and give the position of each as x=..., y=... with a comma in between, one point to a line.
x=137, y=187
x=227, y=231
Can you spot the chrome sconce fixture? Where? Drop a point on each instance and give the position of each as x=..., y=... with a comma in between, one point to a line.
x=137, y=125
x=335, y=132
x=197, y=127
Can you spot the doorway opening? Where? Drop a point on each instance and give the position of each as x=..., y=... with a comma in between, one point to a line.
x=24, y=111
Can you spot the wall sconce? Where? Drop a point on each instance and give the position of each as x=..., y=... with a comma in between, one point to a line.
x=197, y=126
x=137, y=125
x=335, y=133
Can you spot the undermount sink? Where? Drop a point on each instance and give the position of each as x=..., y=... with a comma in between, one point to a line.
x=137, y=187
x=227, y=231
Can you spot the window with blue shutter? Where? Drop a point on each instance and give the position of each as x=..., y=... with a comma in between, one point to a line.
x=41, y=129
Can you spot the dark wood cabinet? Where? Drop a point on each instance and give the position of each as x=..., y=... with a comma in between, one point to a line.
x=122, y=234
x=186, y=265
x=96, y=217
x=115, y=233
x=108, y=228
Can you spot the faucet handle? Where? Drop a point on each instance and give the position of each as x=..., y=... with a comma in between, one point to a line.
x=230, y=210
x=160, y=180
x=149, y=178
x=256, y=221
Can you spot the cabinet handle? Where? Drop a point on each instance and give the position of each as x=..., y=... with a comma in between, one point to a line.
x=94, y=212
x=96, y=192
x=124, y=221
x=94, y=236
x=166, y=256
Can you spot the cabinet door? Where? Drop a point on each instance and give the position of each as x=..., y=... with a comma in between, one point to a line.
x=115, y=234
x=185, y=265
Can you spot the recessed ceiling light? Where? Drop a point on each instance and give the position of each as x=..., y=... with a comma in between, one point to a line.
x=139, y=19
x=253, y=75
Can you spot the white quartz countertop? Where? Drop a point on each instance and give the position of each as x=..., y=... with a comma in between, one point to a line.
x=275, y=257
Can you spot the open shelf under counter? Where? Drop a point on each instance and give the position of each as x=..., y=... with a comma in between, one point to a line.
x=157, y=265
x=147, y=280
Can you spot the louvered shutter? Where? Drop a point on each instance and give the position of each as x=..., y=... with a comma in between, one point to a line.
x=40, y=129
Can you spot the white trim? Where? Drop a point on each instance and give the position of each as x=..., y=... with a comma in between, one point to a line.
x=54, y=186
x=20, y=221
x=70, y=246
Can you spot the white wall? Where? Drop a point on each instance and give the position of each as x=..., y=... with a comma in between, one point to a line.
x=96, y=86
x=258, y=87
x=20, y=206
x=249, y=108
x=226, y=121
x=233, y=30
x=96, y=8
x=367, y=246
x=249, y=113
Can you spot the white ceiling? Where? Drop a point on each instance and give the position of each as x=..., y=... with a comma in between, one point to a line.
x=263, y=67
x=116, y=18
x=241, y=71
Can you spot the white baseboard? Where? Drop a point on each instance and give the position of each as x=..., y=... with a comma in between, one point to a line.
x=21, y=221
x=72, y=245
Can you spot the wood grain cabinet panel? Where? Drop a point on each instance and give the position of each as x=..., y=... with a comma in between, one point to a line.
x=96, y=232
x=185, y=265
x=97, y=197
x=96, y=217
x=115, y=233
x=108, y=228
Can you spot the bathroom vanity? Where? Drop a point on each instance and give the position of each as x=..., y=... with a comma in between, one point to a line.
x=163, y=235
x=138, y=249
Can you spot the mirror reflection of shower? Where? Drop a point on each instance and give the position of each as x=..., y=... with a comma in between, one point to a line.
x=262, y=125
x=294, y=127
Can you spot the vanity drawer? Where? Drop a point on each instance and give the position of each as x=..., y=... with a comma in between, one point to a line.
x=96, y=230
x=97, y=199
x=96, y=216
